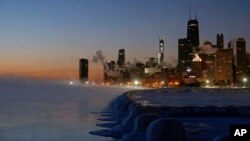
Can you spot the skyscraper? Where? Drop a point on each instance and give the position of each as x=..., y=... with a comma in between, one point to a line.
x=224, y=66
x=183, y=54
x=220, y=41
x=240, y=57
x=197, y=66
x=193, y=34
x=161, y=50
x=121, y=58
x=83, y=70
x=239, y=48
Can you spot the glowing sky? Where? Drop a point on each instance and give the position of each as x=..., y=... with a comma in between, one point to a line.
x=47, y=37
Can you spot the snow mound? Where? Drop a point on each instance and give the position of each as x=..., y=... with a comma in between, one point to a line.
x=122, y=115
x=140, y=127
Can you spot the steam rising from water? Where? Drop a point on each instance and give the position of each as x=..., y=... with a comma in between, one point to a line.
x=99, y=57
x=33, y=110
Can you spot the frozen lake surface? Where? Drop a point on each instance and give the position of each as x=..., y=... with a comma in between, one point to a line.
x=51, y=111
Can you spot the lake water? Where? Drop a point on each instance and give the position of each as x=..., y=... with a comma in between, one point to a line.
x=50, y=111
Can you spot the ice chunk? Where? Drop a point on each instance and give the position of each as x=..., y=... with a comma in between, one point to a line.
x=141, y=124
x=166, y=130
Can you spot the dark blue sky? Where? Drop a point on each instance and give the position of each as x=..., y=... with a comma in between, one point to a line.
x=61, y=31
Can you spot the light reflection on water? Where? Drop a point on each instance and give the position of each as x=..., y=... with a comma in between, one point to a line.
x=42, y=111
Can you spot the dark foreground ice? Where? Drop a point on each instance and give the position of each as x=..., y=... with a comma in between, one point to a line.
x=183, y=114
x=33, y=110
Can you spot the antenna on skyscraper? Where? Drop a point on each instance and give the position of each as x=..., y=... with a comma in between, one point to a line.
x=189, y=11
x=195, y=12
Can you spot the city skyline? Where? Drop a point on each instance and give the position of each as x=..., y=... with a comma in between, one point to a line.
x=48, y=38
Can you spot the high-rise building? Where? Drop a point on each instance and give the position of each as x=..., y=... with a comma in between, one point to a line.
x=240, y=57
x=161, y=50
x=248, y=64
x=193, y=34
x=183, y=54
x=220, y=41
x=83, y=70
x=239, y=49
x=121, y=58
x=197, y=66
x=223, y=66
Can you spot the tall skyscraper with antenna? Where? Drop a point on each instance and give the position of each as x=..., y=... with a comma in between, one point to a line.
x=192, y=40
x=161, y=50
x=193, y=32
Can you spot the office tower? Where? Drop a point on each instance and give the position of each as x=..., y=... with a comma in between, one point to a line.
x=161, y=50
x=197, y=66
x=220, y=41
x=239, y=49
x=158, y=57
x=121, y=58
x=193, y=34
x=224, y=66
x=248, y=64
x=183, y=54
x=83, y=70
x=240, y=57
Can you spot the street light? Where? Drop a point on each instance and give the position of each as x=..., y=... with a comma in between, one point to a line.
x=244, y=80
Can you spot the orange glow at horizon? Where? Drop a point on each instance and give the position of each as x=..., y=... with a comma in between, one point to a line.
x=70, y=72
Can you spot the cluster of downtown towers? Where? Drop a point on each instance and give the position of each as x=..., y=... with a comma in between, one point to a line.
x=212, y=63
x=215, y=64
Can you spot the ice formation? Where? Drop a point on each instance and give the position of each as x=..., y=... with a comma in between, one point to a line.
x=176, y=114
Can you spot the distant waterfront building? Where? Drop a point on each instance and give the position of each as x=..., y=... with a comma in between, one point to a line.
x=161, y=50
x=193, y=34
x=121, y=58
x=224, y=65
x=239, y=49
x=220, y=41
x=83, y=70
x=248, y=64
x=197, y=66
x=183, y=54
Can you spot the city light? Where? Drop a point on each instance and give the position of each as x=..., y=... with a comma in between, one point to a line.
x=207, y=81
x=244, y=80
x=137, y=82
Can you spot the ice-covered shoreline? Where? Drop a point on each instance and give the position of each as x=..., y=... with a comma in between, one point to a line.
x=204, y=113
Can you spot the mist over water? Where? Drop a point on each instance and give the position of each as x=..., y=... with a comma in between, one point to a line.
x=32, y=110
